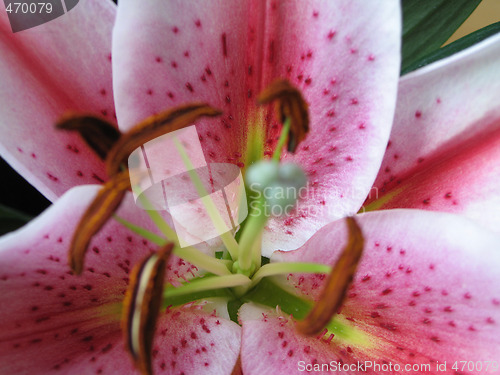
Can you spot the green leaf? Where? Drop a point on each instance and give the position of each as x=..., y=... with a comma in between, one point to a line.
x=427, y=24
x=11, y=219
x=457, y=46
x=232, y=308
x=269, y=293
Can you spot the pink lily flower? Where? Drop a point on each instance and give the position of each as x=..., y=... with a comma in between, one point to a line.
x=426, y=281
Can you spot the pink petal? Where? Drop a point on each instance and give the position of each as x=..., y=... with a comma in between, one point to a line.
x=444, y=152
x=170, y=53
x=346, y=61
x=50, y=318
x=343, y=56
x=46, y=71
x=425, y=291
x=191, y=341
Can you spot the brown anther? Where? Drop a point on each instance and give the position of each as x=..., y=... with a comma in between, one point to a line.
x=340, y=278
x=291, y=105
x=153, y=127
x=99, y=134
x=106, y=202
x=142, y=305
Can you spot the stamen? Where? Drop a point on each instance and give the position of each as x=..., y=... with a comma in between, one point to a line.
x=281, y=141
x=189, y=254
x=153, y=127
x=106, y=202
x=160, y=223
x=333, y=294
x=291, y=105
x=210, y=207
x=142, y=306
x=273, y=269
x=99, y=134
x=208, y=283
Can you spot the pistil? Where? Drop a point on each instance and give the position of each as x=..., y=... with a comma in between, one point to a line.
x=250, y=248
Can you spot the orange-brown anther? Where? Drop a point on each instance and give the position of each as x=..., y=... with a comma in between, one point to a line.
x=99, y=134
x=291, y=105
x=142, y=305
x=153, y=127
x=106, y=202
x=340, y=278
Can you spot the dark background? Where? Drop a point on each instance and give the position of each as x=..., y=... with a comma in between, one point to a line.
x=16, y=192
